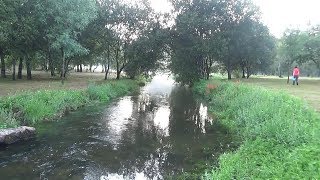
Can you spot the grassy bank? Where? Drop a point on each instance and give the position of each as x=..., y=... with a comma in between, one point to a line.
x=30, y=108
x=308, y=88
x=280, y=133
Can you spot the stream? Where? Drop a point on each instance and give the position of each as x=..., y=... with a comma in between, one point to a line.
x=160, y=132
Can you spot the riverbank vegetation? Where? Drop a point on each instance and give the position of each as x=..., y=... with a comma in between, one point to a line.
x=307, y=89
x=279, y=132
x=29, y=108
x=193, y=40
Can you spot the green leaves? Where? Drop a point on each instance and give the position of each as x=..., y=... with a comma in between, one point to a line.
x=70, y=45
x=69, y=19
x=218, y=32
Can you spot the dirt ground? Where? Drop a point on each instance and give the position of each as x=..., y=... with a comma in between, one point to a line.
x=42, y=80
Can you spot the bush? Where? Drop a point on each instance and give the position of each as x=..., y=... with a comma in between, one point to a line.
x=280, y=133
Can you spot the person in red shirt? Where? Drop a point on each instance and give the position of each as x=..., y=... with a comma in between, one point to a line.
x=296, y=73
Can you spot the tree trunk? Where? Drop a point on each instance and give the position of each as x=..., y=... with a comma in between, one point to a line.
x=288, y=80
x=3, y=65
x=120, y=70
x=229, y=70
x=66, y=70
x=118, y=74
x=210, y=67
x=107, y=67
x=20, y=68
x=14, y=69
x=229, y=74
x=94, y=69
x=63, y=66
x=80, y=67
x=279, y=70
x=248, y=72
x=51, y=67
x=90, y=67
x=243, y=72
x=118, y=64
x=28, y=66
x=207, y=69
x=44, y=66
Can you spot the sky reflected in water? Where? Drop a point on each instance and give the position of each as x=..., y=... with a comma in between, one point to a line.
x=159, y=133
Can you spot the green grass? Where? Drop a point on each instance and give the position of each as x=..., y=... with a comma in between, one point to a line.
x=29, y=108
x=308, y=88
x=280, y=133
x=43, y=81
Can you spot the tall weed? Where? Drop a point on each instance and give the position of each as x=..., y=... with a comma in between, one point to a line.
x=7, y=120
x=280, y=133
x=31, y=107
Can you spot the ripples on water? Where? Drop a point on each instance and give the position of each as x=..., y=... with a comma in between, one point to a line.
x=159, y=133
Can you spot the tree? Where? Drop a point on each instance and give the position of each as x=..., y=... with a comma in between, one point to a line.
x=7, y=18
x=146, y=52
x=312, y=47
x=194, y=25
x=64, y=20
x=292, y=48
x=133, y=24
x=256, y=47
x=211, y=32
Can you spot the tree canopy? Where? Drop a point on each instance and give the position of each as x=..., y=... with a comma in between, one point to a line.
x=197, y=38
x=218, y=32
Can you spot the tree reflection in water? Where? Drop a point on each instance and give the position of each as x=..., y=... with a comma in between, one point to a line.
x=161, y=132
x=165, y=135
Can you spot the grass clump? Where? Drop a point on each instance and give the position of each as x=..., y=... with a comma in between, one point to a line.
x=280, y=133
x=32, y=107
x=7, y=120
x=105, y=92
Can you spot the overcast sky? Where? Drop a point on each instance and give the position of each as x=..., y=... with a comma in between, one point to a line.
x=278, y=15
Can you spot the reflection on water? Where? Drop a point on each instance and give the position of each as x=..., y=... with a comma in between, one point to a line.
x=159, y=133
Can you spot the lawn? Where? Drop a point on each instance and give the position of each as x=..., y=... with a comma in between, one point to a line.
x=42, y=80
x=308, y=88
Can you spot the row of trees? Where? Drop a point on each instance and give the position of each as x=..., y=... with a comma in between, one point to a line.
x=197, y=38
x=43, y=29
x=219, y=35
x=301, y=48
x=56, y=35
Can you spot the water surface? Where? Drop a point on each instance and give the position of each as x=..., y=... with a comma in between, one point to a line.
x=158, y=133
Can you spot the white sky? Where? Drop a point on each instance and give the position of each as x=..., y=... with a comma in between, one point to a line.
x=282, y=14
x=278, y=15
x=161, y=5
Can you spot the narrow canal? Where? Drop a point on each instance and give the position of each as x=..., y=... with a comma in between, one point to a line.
x=158, y=133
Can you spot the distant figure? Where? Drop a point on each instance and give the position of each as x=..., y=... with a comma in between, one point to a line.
x=296, y=73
